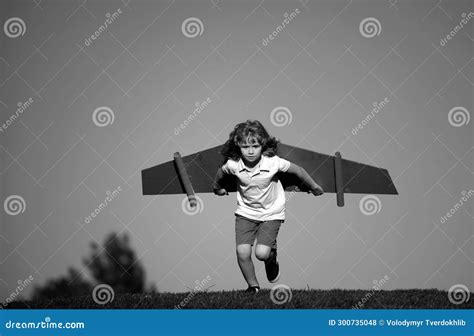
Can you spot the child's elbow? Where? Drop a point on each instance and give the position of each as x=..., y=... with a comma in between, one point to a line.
x=298, y=171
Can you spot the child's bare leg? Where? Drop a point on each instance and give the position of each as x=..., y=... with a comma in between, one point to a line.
x=244, y=258
x=262, y=252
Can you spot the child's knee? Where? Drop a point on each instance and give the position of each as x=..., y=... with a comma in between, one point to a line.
x=262, y=252
x=244, y=251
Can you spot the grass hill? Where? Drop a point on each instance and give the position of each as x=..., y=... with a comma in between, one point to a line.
x=299, y=299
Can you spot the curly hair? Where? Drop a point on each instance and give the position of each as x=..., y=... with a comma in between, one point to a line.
x=251, y=131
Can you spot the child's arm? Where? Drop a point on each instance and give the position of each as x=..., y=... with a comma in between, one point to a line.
x=217, y=186
x=303, y=175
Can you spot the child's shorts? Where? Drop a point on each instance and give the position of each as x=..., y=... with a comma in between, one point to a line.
x=266, y=232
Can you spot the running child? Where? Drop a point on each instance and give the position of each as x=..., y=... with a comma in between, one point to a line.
x=251, y=155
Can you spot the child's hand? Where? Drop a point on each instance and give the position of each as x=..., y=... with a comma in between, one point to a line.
x=316, y=191
x=221, y=192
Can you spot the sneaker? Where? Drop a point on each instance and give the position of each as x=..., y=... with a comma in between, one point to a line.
x=252, y=289
x=272, y=267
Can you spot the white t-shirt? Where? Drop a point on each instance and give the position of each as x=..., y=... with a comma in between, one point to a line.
x=260, y=194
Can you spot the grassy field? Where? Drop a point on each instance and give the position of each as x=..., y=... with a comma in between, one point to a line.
x=300, y=299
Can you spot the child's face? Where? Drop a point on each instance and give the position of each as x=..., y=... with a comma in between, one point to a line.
x=251, y=151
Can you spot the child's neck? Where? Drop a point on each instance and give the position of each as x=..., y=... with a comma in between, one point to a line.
x=251, y=164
